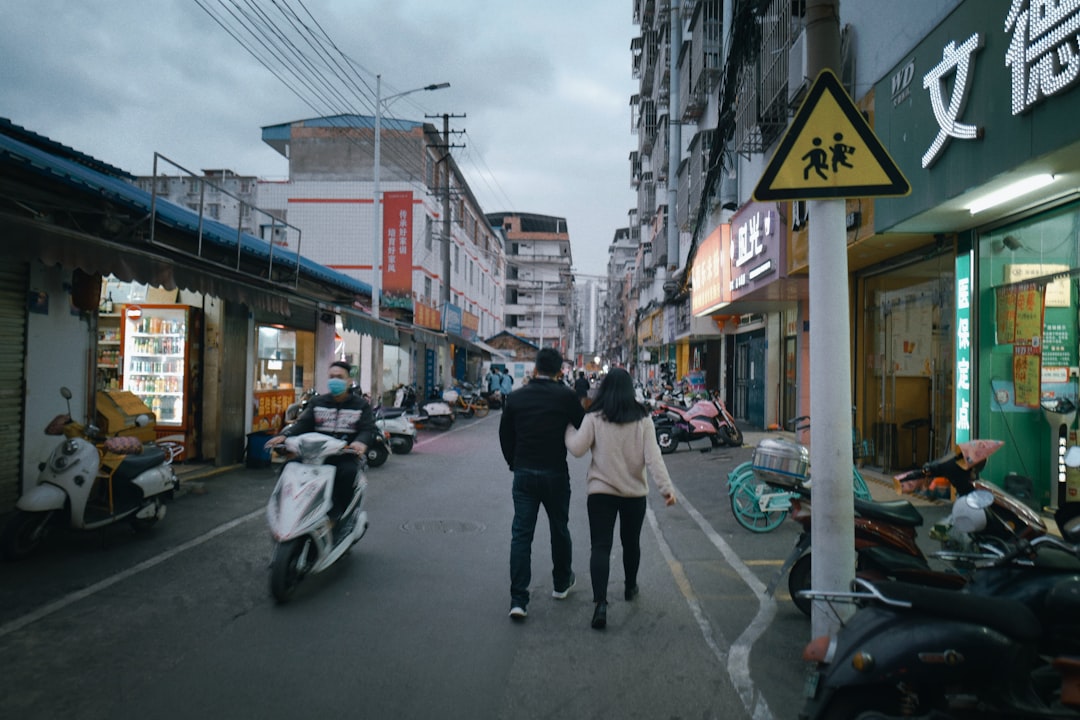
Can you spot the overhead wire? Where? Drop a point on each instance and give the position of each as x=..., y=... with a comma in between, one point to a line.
x=265, y=40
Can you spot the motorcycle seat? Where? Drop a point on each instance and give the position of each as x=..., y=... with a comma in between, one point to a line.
x=900, y=512
x=134, y=465
x=1011, y=617
x=385, y=413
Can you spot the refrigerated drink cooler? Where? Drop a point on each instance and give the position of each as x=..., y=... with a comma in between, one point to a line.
x=161, y=349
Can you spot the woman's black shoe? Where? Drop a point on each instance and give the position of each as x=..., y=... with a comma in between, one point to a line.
x=631, y=592
x=599, y=616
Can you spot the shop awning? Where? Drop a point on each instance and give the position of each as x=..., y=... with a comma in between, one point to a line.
x=428, y=337
x=474, y=346
x=357, y=322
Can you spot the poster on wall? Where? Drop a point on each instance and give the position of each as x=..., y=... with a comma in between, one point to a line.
x=911, y=328
x=1027, y=362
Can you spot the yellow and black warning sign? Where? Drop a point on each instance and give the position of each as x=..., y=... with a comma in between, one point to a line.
x=829, y=151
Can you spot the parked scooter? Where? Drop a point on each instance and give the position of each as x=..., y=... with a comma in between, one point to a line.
x=434, y=412
x=401, y=432
x=306, y=541
x=912, y=651
x=885, y=533
x=91, y=481
x=676, y=425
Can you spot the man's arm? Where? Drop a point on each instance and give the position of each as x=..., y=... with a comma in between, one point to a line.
x=507, y=433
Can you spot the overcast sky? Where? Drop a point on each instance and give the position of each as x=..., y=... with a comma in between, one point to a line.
x=545, y=87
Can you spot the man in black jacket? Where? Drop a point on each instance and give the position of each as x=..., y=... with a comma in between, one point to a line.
x=344, y=415
x=531, y=432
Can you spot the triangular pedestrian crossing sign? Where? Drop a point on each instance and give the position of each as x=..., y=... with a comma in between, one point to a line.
x=829, y=151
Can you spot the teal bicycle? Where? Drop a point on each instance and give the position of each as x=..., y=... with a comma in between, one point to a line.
x=759, y=506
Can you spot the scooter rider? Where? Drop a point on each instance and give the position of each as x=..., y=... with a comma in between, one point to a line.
x=344, y=415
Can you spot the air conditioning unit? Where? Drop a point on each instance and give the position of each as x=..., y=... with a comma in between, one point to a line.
x=797, y=81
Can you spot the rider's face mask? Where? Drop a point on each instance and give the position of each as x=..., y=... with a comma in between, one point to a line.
x=337, y=385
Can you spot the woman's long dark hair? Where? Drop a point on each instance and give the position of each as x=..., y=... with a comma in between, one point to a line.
x=615, y=399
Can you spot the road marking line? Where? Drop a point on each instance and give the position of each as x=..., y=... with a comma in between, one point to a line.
x=43, y=612
x=737, y=659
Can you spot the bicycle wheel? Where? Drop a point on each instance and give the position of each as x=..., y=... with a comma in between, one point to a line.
x=481, y=408
x=743, y=472
x=747, y=512
x=862, y=492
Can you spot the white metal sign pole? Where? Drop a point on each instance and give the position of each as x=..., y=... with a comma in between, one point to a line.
x=833, y=528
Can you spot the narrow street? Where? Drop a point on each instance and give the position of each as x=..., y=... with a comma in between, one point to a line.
x=179, y=623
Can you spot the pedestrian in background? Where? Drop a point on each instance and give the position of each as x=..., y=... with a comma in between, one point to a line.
x=506, y=383
x=531, y=430
x=581, y=387
x=620, y=434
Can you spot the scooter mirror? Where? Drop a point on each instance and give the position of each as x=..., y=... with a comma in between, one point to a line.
x=979, y=499
x=65, y=393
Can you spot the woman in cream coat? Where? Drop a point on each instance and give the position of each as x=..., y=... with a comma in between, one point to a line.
x=621, y=436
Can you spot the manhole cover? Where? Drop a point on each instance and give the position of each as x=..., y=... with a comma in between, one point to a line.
x=443, y=527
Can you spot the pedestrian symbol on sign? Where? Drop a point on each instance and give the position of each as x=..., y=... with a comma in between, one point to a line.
x=829, y=151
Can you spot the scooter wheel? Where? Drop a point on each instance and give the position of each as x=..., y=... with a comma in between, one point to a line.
x=24, y=533
x=285, y=570
x=402, y=445
x=731, y=435
x=376, y=455
x=666, y=440
x=799, y=579
x=139, y=524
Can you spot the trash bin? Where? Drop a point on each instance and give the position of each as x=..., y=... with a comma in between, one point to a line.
x=257, y=454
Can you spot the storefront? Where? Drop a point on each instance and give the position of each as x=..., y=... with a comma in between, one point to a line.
x=742, y=281
x=188, y=351
x=981, y=118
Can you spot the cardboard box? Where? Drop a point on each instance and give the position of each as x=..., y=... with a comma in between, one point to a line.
x=117, y=411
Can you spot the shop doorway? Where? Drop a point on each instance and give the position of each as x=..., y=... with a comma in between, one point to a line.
x=905, y=400
x=750, y=377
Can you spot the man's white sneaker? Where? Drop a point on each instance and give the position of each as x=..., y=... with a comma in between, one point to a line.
x=561, y=594
x=518, y=613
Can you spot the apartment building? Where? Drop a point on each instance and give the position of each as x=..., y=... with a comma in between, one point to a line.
x=539, y=278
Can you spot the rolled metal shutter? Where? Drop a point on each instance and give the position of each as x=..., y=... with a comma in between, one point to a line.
x=13, y=298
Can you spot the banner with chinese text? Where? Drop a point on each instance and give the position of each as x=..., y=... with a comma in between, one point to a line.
x=397, y=248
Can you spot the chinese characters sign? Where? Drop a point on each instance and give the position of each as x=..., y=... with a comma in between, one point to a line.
x=962, y=412
x=397, y=247
x=708, y=276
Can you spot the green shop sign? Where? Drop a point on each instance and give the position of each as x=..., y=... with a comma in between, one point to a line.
x=993, y=86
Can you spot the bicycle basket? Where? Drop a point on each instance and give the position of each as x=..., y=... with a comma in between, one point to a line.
x=781, y=462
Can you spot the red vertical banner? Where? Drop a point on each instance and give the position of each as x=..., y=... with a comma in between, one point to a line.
x=397, y=248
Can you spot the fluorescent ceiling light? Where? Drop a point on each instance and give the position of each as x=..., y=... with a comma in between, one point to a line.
x=1013, y=190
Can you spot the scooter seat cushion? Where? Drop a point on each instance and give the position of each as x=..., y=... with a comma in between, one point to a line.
x=900, y=512
x=134, y=465
x=385, y=413
x=1011, y=617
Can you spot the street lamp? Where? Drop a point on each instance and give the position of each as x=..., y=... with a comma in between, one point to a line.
x=376, y=286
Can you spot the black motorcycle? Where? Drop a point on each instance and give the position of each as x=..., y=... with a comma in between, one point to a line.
x=1006, y=646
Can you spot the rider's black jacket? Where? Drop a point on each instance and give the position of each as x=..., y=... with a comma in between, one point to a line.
x=349, y=420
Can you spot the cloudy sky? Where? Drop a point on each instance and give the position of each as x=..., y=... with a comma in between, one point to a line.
x=544, y=86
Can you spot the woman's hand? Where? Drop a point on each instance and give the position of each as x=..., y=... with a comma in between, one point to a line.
x=669, y=499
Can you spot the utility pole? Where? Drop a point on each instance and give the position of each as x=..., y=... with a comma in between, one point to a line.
x=833, y=530
x=447, y=238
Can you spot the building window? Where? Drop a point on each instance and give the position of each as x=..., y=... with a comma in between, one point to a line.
x=427, y=232
x=427, y=288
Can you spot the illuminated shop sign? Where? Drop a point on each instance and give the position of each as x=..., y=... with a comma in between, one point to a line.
x=991, y=87
x=755, y=245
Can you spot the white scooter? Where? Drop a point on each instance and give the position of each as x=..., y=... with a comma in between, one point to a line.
x=402, y=432
x=92, y=481
x=305, y=541
x=435, y=413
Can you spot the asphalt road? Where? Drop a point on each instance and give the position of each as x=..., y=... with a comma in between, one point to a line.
x=179, y=623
